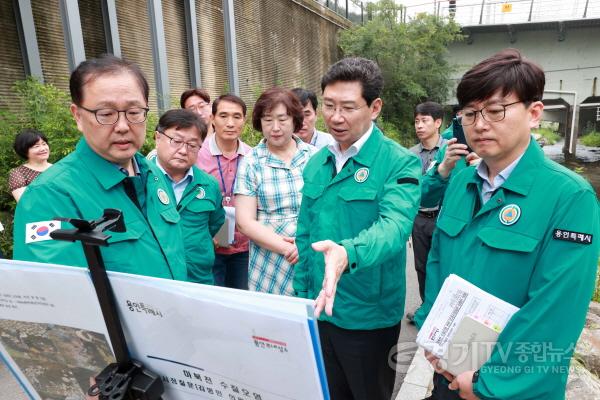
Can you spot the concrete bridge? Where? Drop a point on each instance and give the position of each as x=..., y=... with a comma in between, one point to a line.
x=569, y=52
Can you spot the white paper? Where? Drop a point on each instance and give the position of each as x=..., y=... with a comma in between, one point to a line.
x=195, y=335
x=225, y=235
x=203, y=341
x=52, y=334
x=456, y=299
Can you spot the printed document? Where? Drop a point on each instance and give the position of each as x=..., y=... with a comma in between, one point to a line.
x=486, y=316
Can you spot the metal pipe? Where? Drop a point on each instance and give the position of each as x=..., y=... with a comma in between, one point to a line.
x=362, y=14
x=531, y=11
x=481, y=13
x=587, y=2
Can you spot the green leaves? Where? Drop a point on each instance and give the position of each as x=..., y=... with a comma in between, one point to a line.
x=411, y=56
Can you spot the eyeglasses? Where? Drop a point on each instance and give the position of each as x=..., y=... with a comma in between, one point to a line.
x=110, y=116
x=490, y=113
x=176, y=143
x=345, y=111
x=198, y=106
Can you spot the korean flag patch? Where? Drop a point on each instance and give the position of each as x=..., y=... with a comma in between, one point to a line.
x=40, y=231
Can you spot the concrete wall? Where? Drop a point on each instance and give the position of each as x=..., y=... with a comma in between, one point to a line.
x=285, y=42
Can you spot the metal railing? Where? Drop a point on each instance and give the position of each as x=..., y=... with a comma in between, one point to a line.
x=490, y=12
x=352, y=10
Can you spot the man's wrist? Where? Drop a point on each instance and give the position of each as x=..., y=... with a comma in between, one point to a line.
x=350, y=256
x=443, y=171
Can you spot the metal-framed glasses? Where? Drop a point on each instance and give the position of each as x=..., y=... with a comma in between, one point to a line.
x=345, y=111
x=490, y=113
x=110, y=116
x=176, y=143
x=198, y=106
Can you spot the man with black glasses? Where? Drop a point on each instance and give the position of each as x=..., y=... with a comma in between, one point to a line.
x=518, y=226
x=359, y=200
x=110, y=104
x=179, y=136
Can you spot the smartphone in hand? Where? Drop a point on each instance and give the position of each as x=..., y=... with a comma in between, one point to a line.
x=459, y=133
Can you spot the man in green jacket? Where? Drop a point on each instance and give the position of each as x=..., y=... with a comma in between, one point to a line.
x=452, y=158
x=520, y=227
x=360, y=197
x=179, y=135
x=110, y=104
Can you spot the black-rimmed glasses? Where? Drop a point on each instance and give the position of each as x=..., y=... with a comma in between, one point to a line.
x=176, y=143
x=110, y=116
x=490, y=113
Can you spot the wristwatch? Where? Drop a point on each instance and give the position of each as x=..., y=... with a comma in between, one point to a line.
x=475, y=376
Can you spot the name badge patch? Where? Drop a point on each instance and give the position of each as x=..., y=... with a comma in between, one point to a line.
x=570, y=236
x=509, y=214
x=201, y=193
x=361, y=175
x=40, y=231
x=163, y=196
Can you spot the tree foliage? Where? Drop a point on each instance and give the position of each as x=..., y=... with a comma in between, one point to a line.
x=411, y=56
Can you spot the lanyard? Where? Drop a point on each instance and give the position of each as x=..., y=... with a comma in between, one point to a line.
x=314, y=139
x=237, y=163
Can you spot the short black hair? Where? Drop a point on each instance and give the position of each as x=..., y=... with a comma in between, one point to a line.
x=182, y=118
x=232, y=98
x=305, y=96
x=431, y=108
x=103, y=65
x=507, y=71
x=356, y=69
x=25, y=140
x=202, y=93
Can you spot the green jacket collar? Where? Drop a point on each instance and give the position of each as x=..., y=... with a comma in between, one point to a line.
x=201, y=179
x=105, y=171
x=524, y=175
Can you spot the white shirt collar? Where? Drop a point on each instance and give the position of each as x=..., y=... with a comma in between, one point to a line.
x=189, y=173
x=489, y=188
x=314, y=137
x=342, y=156
x=354, y=148
x=216, y=151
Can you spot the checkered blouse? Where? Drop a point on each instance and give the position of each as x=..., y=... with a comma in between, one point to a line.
x=276, y=187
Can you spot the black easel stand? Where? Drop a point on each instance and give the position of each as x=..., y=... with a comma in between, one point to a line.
x=126, y=379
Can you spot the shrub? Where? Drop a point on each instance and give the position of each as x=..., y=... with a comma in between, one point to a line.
x=411, y=55
x=548, y=134
x=592, y=139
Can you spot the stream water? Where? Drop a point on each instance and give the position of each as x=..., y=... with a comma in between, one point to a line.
x=587, y=161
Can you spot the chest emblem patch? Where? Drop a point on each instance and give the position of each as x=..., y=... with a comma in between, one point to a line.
x=163, y=196
x=201, y=193
x=361, y=175
x=510, y=214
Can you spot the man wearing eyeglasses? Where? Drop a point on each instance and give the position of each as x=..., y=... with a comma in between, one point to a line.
x=110, y=105
x=179, y=136
x=359, y=200
x=520, y=227
x=198, y=101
